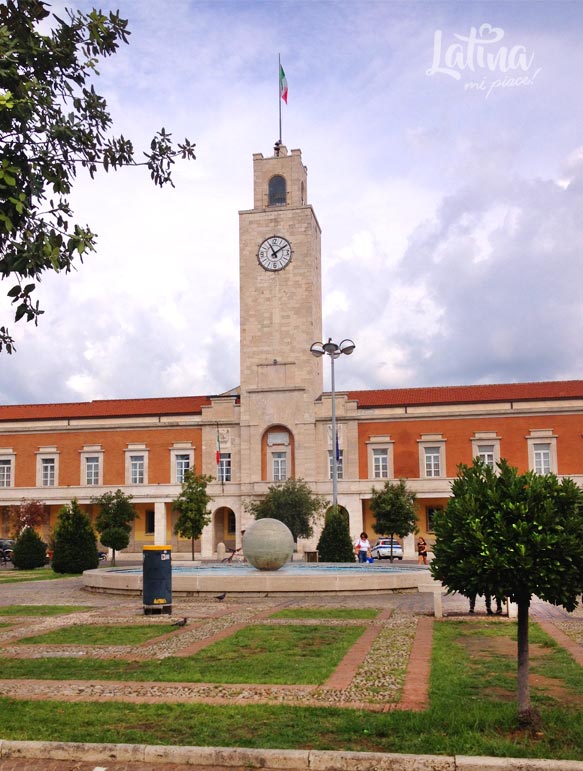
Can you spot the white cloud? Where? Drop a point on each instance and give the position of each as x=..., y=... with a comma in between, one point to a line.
x=451, y=224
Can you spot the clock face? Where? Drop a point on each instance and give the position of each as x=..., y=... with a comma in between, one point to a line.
x=275, y=253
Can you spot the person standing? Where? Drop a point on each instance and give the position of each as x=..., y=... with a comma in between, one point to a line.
x=421, y=551
x=488, y=600
x=362, y=547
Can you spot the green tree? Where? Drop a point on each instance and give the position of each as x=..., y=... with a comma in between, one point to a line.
x=394, y=510
x=30, y=551
x=75, y=542
x=114, y=521
x=52, y=123
x=512, y=535
x=294, y=504
x=335, y=544
x=191, y=506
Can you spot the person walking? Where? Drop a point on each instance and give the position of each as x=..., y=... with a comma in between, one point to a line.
x=362, y=547
x=421, y=551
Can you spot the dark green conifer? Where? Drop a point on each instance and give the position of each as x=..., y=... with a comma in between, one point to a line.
x=30, y=551
x=75, y=541
x=335, y=544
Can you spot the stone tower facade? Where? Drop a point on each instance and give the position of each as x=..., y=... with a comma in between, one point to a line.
x=281, y=316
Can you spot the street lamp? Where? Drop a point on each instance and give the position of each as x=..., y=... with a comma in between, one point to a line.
x=333, y=350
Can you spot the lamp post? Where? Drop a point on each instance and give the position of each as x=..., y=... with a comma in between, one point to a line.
x=333, y=350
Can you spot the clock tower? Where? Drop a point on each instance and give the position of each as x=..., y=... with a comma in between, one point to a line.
x=281, y=316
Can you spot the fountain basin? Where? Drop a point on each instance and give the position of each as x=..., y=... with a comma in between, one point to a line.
x=292, y=579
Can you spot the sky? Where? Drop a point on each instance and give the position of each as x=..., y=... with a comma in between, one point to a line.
x=444, y=146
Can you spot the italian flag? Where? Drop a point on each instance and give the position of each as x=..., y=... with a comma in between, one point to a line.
x=218, y=452
x=282, y=84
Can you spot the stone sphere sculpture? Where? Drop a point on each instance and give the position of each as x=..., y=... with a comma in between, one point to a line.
x=268, y=544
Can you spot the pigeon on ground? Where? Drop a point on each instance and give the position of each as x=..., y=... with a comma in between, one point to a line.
x=221, y=597
x=180, y=622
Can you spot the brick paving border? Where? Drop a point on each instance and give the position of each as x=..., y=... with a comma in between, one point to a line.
x=415, y=694
x=575, y=649
x=346, y=670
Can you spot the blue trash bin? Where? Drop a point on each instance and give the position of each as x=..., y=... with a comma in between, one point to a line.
x=157, y=580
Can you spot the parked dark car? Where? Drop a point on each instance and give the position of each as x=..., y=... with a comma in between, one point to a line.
x=6, y=549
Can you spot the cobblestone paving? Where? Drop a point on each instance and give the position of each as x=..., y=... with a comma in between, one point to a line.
x=378, y=680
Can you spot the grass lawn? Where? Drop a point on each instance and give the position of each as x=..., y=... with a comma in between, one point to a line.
x=256, y=654
x=325, y=613
x=473, y=707
x=41, y=610
x=14, y=576
x=88, y=634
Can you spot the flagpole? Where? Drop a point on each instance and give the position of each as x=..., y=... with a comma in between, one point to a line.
x=279, y=92
x=218, y=459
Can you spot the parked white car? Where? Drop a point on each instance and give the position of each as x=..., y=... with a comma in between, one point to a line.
x=385, y=547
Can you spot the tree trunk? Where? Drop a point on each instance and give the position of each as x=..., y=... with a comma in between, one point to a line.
x=523, y=686
x=192, y=547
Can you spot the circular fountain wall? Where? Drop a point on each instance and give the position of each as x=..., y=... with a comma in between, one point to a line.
x=292, y=579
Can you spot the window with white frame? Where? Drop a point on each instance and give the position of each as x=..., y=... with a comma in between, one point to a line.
x=542, y=457
x=181, y=461
x=92, y=470
x=137, y=465
x=542, y=451
x=5, y=472
x=92, y=465
x=339, y=464
x=486, y=454
x=486, y=447
x=279, y=461
x=432, y=461
x=380, y=463
x=47, y=467
x=431, y=455
x=224, y=467
x=48, y=472
x=182, y=466
x=380, y=457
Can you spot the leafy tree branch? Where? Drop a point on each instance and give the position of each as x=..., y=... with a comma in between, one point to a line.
x=52, y=122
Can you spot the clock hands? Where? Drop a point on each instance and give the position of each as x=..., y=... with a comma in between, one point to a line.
x=275, y=251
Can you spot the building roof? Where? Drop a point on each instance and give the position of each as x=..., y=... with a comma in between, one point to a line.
x=468, y=394
x=176, y=405
x=391, y=397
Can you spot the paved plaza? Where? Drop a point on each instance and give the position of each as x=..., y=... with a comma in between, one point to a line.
x=397, y=637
